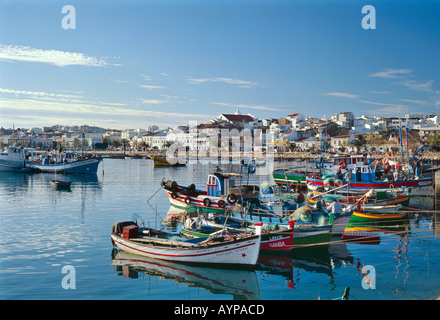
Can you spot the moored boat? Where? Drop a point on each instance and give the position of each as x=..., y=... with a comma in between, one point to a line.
x=14, y=159
x=163, y=162
x=376, y=216
x=67, y=163
x=214, y=226
x=220, y=196
x=60, y=184
x=240, y=250
x=290, y=178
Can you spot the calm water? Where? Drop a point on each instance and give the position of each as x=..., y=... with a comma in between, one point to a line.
x=43, y=230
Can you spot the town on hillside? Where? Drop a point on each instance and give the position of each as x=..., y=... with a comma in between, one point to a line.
x=342, y=132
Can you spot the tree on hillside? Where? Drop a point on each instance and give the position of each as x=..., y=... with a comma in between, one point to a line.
x=433, y=139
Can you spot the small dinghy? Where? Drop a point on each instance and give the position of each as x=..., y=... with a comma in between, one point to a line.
x=60, y=183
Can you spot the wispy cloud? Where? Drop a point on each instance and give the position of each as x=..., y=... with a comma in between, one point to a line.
x=420, y=102
x=342, y=95
x=153, y=101
x=54, y=57
x=238, y=82
x=384, y=104
x=391, y=73
x=37, y=94
x=151, y=87
x=418, y=86
x=44, y=108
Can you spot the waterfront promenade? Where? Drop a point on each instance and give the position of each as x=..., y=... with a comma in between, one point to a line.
x=278, y=156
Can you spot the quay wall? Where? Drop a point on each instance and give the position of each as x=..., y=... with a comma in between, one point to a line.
x=278, y=156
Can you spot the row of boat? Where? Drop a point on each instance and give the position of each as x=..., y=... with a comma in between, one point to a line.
x=19, y=159
x=230, y=224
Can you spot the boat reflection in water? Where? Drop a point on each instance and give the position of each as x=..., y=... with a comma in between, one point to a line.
x=241, y=284
x=291, y=266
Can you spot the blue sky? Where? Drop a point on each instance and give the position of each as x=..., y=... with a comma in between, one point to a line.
x=130, y=64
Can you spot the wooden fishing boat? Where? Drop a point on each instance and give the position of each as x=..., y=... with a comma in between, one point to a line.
x=239, y=250
x=290, y=178
x=215, y=226
x=375, y=216
x=220, y=197
x=196, y=200
x=380, y=198
x=67, y=163
x=163, y=162
x=306, y=223
x=60, y=184
x=315, y=183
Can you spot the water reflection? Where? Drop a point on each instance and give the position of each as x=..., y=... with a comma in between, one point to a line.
x=240, y=284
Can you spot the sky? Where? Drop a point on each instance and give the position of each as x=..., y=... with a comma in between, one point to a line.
x=131, y=64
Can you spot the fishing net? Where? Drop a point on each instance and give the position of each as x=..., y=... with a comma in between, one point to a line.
x=306, y=214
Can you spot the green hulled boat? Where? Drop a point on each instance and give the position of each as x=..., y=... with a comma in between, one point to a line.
x=290, y=178
x=377, y=217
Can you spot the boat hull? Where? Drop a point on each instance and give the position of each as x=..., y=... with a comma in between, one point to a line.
x=241, y=252
x=163, y=162
x=80, y=166
x=310, y=238
x=270, y=241
x=289, y=178
x=313, y=184
x=196, y=204
x=60, y=184
x=377, y=217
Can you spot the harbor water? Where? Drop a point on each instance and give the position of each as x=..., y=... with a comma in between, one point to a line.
x=55, y=244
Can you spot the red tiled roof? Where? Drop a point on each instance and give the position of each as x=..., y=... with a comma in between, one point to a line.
x=238, y=117
x=293, y=115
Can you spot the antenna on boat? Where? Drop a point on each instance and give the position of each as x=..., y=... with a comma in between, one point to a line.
x=137, y=217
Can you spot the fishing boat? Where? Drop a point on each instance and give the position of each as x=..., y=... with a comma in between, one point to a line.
x=220, y=196
x=13, y=159
x=289, y=177
x=279, y=238
x=377, y=198
x=60, y=184
x=377, y=216
x=67, y=163
x=214, y=226
x=163, y=162
x=240, y=250
x=344, y=162
x=364, y=178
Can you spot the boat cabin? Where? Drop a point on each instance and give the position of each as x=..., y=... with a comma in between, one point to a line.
x=364, y=173
x=218, y=184
x=16, y=153
x=343, y=162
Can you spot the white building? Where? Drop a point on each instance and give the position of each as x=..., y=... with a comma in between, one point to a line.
x=344, y=119
x=297, y=120
x=158, y=140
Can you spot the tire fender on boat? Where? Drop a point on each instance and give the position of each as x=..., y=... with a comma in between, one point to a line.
x=207, y=202
x=174, y=195
x=221, y=204
x=188, y=200
x=232, y=198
